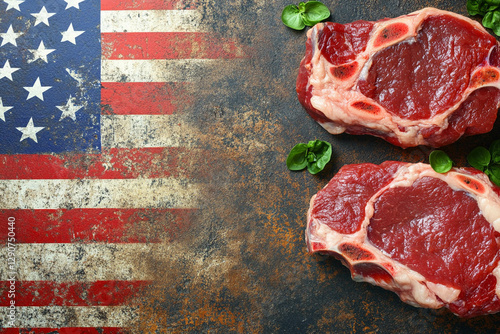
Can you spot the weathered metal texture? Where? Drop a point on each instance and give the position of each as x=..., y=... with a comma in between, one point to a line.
x=243, y=265
x=236, y=261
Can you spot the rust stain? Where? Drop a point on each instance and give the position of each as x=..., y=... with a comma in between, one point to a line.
x=241, y=264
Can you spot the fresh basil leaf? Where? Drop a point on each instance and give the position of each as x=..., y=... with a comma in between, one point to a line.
x=485, y=7
x=311, y=157
x=322, y=152
x=493, y=2
x=314, y=168
x=305, y=14
x=473, y=7
x=477, y=7
x=440, y=161
x=319, y=147
x=492, y=20
x=292, y=18
x=297, y=158
x=495, y=174
x=479, y=158
x=495, y=151
x=306, y=21
x=314, y=12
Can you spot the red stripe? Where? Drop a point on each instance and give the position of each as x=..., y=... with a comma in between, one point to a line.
x=169, y=45
x=47, y=293
x=148, y=4
x=144, y=98
x=65, y=330
x=115, y=163
x=96, y=225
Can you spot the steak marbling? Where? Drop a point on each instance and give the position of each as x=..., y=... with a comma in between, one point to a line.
x=431, y=238
x=425, y=78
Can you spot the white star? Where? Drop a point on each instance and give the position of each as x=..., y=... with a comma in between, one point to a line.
x=69, y=109
x=13, y=4
x=3, y=110
x=30, y=131
x=10, y=36
x=40, y=53
x=73, y=3
x=70, y=34
x=6, y=71
x=42, y=16
x=36, y=90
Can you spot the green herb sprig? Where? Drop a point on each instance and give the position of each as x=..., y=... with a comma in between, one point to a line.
x=487, y=160
x=305, y=14
x=489, y=10
x=314, y=156
x=440, y=161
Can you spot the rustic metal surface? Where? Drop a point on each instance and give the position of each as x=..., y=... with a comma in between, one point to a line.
x=242, y=266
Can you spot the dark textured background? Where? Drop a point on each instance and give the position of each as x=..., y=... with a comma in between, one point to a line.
x=243, y=265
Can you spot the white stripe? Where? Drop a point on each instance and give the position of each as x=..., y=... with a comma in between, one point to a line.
x=162, y=70
x=136, y=131
x=81, y=262
x=152, y=21
x=64, y=316
x=95, y=193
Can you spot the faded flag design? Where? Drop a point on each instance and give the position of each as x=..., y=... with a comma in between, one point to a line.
x=49, y=76
x=93, y=153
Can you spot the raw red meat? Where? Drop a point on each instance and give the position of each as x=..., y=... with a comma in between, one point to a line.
x=425, y=78
x=431, y=238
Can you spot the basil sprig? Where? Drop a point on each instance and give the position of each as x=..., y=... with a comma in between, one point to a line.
x=305, y=14
x=313, y=155
x=440, y=161
x=489, y=9
x=487, y=160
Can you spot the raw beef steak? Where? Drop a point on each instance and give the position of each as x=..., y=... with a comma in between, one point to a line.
x=431, y=238
x=425, y=78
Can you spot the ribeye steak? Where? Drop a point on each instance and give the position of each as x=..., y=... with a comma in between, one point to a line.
x=431, y=238
x=425, y=78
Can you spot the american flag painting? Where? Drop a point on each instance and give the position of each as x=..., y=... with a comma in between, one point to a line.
x=93, y=152
x=143, y=177
x=47, y=96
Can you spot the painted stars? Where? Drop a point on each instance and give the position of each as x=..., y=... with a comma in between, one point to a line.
x=42, y=17
x=10, y=36
x=36, y=90
x=69, y=110
x=73, y=3
x=71, y=34
x=40, y=53
x=30, y=131
x=13, y=4
x=3, y=110
x=6, y=71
